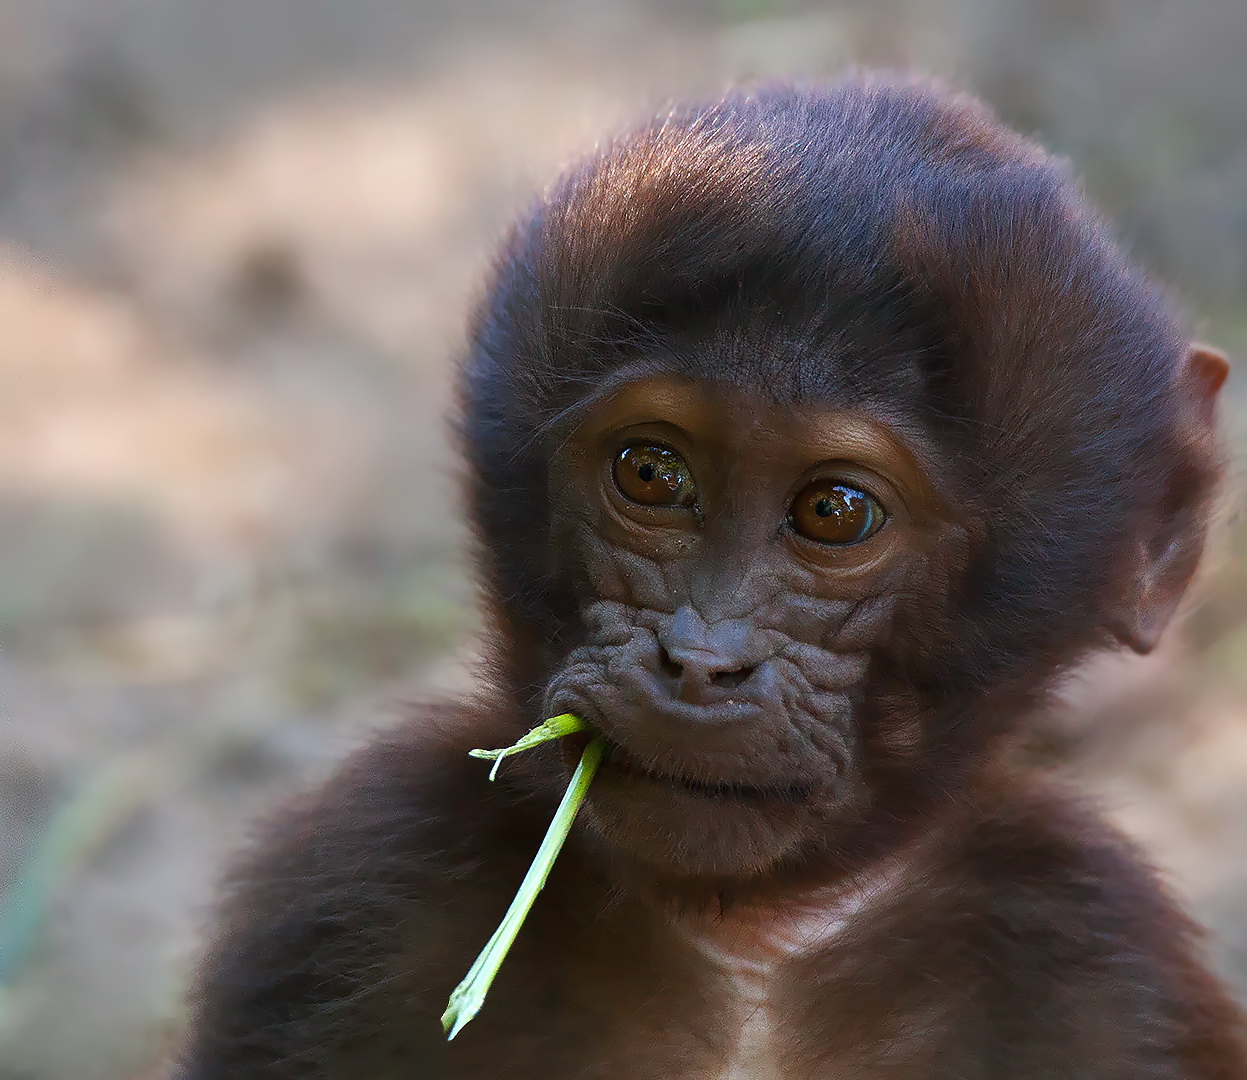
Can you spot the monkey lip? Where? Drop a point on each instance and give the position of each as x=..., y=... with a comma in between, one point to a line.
x=620, y=761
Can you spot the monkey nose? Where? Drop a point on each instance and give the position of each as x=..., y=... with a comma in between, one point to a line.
x=701, y=662
x=696, y=675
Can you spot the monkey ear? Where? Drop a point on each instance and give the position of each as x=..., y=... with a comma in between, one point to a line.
x=1206, y=370
x=1166, y=560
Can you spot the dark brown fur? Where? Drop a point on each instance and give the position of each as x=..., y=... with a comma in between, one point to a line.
x=888, y=252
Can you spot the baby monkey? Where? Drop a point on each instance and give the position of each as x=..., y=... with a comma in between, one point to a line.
x=812, y=436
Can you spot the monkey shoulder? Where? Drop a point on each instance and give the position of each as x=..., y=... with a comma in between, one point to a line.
x=355, y=909
x=1064, y=941
x=1038, y=861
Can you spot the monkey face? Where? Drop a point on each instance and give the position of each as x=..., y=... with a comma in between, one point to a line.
x=804, y=475
x=735, y=565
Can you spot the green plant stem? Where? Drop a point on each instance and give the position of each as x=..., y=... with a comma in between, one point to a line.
x=468, y=997
x=554, y=728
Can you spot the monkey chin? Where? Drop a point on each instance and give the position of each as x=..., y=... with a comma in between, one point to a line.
x=689, y=828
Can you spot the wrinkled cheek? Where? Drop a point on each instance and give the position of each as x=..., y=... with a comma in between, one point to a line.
x=611, y=572
x=831, y=757
x=590, y=677
x=584, y=667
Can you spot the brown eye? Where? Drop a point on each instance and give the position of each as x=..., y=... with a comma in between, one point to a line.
x=654, y=476
x=834, y=513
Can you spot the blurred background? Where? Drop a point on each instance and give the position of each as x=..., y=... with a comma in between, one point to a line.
x=238, y=240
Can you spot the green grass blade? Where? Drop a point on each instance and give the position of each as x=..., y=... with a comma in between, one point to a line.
x=468, y=997
x=554, y=728
x=90, y=817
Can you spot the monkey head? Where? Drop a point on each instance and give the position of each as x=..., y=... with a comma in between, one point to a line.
x=812, y=436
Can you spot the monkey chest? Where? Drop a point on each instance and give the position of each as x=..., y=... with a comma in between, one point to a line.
x=756, y=965
x=744, y=996
x=750, y=1007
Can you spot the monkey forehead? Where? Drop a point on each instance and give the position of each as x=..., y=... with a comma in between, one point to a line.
x=861, y=241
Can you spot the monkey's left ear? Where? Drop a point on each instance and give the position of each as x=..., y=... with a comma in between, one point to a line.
x=1167, y=558
x=1206, y=371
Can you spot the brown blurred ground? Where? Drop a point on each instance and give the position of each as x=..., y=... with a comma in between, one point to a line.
x=237, y=242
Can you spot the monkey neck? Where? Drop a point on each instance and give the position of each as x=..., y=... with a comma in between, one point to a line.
x=779, y=899
x=767, y=929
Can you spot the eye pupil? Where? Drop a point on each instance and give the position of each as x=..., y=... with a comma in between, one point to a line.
x=824, y=508
x=654, y=475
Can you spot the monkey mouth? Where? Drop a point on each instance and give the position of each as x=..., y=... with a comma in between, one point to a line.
x=619, y=760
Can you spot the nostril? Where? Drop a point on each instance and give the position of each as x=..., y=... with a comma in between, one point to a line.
x=729, y=680
x=669, y=666
x=693, y=671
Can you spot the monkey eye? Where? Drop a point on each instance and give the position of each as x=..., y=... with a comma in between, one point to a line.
x=654, y=476
x=833, y=513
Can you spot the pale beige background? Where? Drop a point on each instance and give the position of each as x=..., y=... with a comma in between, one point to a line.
x=237, y=242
